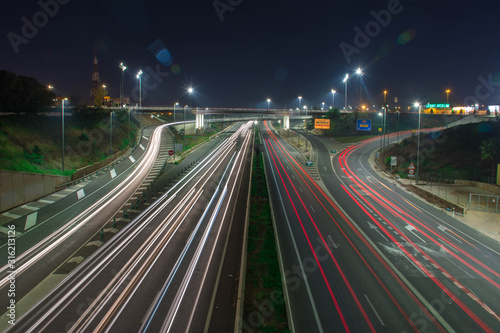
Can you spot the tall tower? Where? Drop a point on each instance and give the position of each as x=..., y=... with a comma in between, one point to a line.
x=96, y=82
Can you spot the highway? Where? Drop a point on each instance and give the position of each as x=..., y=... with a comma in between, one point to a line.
x=360, y=254
x=162, y=272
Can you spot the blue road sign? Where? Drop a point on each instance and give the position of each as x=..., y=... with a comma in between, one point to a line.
x=364, y=125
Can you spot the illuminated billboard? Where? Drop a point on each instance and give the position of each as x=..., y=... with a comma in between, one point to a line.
x=322, y=123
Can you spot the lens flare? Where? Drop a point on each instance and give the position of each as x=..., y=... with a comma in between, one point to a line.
x=406, y=36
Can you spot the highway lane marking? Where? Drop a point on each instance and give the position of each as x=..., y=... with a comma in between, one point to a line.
x=412, y=230
x=312, y=209
x=78, y=259
x=29, y=207
x=7, y=230
x=46, y=201
x=141, y=146
x=145, y=137
x=58, y=195
x=10, y=215
x=112, y=173
x=375, y=311
x=95, y=243
x=131, y=158
x=30, y=220
x=80, y=194
x=300, y=188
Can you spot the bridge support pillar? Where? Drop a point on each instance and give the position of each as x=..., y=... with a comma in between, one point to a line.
x=286, y=122
x=200, y=123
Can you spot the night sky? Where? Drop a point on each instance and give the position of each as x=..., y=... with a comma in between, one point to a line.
x=252, y=50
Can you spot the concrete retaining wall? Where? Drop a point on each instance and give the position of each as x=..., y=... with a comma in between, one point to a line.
x=485, y=186
x=17, y=188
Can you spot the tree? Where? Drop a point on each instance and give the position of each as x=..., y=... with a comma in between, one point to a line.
x=490, y=150
x=333, y=114
x=99, y=96
x=23, y=93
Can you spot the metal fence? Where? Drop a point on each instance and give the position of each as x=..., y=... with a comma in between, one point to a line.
x=483, y=203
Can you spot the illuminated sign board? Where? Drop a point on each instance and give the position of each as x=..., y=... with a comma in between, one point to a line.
x=322, y=123
x=364, y=125
x=437, y=106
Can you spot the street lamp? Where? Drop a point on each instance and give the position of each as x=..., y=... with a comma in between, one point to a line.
x=305, y=107
x=398, y=125
x=64, y=99
x=323, y=107
x=333, y=98
x=121, y=88
x=140, y=87
x=360, y=73
x=268, y=102
x=385, y=115
x=345, y=81
x=300, y=100
x=190, y=91
x=448, y=96
x=174, y=110
x=185, y=106
x=380, y=114
x=104, y=94
x=418, y=140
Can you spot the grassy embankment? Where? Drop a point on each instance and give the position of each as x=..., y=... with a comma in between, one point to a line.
x=33, y=143
x=454, y=152
x=264, y=308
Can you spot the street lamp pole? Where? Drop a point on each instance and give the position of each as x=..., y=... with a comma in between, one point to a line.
x=306, y=128
x=398, y=125
x=385, y=115
x=140, y=88
x=360, y=73
x=174, y=110
x=345, y=81
x=448, y=96
x=184, y=127
x=129, y=143
x=418, y=141
x=121, y=88
x=64, y=99
x=333, y=98
x=268, y=103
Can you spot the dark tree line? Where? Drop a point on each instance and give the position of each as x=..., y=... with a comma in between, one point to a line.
x=23, y=94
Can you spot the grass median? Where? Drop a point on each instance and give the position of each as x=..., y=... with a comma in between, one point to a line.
x=264, y=308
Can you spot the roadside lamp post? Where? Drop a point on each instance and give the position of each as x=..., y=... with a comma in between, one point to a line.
x=360, y=73
x=174, y=110
x=380, y=114
x=64, y=99
x=418, y=140
x=185, y=127
x=385, y=116
x=448, y=96
x=333, y=98
x=140, y=88
x=345, y=81
x=123, y=68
